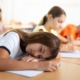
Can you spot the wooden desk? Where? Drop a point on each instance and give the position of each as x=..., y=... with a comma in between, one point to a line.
x=69, y=70
x=71, y=60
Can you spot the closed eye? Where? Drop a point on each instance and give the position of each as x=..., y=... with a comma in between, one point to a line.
x=42, y=49
x=60, y=21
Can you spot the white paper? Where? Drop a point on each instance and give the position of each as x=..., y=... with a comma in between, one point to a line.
x=70, y=55
x=27, y=73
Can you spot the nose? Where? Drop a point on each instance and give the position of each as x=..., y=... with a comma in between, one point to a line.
x=37, y=54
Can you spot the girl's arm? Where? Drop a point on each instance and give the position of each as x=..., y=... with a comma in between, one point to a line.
x=8, y=64
x=63, y=40
x=29, y=58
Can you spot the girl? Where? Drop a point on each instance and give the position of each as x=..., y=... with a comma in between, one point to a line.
x=52, y=22
x=37, y=46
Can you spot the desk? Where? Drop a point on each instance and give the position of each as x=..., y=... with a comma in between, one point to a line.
x=71, y=60
x=69, y=70
x=27, y=28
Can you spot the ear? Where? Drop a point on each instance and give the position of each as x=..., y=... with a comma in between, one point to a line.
x=49, y=17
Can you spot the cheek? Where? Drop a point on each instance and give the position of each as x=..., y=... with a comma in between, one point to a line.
x=56, y=24
x=27, y=49
x=59, y=24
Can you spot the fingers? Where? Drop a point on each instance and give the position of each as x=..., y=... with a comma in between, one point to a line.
x=52, y=69
x=25, y=58
x=29, y=59
x=48, y=66
x=53, y=66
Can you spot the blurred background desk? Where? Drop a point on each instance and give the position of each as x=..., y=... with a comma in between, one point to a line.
x=69, y=70
x=27, y=28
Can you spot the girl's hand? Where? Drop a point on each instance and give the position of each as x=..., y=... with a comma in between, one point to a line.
x=48, y=65
x=69, y=47
x=30, y=59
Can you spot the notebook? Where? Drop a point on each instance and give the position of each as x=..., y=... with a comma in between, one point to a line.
x=75, y=54
x=27, y=73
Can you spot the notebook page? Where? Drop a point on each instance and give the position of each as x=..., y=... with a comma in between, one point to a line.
x=70, y=54
x=27, y=73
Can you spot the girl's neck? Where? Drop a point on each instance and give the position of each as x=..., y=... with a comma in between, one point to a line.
x=47, y=27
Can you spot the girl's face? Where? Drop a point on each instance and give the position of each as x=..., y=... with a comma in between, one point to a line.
x=56, y=22
x=38, y=50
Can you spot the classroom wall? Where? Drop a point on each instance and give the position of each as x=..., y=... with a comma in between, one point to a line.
x=33, y=10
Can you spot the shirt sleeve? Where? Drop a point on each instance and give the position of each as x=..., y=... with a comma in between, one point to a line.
x=11, y=42
x=54, y=32
x=38, y=28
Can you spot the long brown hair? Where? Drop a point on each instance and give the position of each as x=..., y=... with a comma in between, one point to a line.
x=44, y=38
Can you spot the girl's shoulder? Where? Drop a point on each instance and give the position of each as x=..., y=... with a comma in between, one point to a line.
x=37, y=28
x=10, y=35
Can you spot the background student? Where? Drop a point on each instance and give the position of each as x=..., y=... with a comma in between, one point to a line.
x=52, y=22
x=2, y=29
x=23, y=51
x=72, y=33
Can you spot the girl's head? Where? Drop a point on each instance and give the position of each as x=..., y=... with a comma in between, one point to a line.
x=39, y=44
x=43, y=45
x=55, y=17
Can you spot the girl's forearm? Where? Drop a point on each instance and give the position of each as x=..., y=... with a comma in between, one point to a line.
x=8, y=64
x=63, y=40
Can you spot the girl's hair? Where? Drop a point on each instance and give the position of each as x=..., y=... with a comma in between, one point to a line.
x=0, y=14
x=0, y=10
x=45, y=38
x=55, y=12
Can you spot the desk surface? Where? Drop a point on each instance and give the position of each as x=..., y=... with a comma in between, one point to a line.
x=69, y=70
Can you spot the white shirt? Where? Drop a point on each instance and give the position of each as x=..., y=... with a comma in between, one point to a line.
x=11, y=41
x=37, y=28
